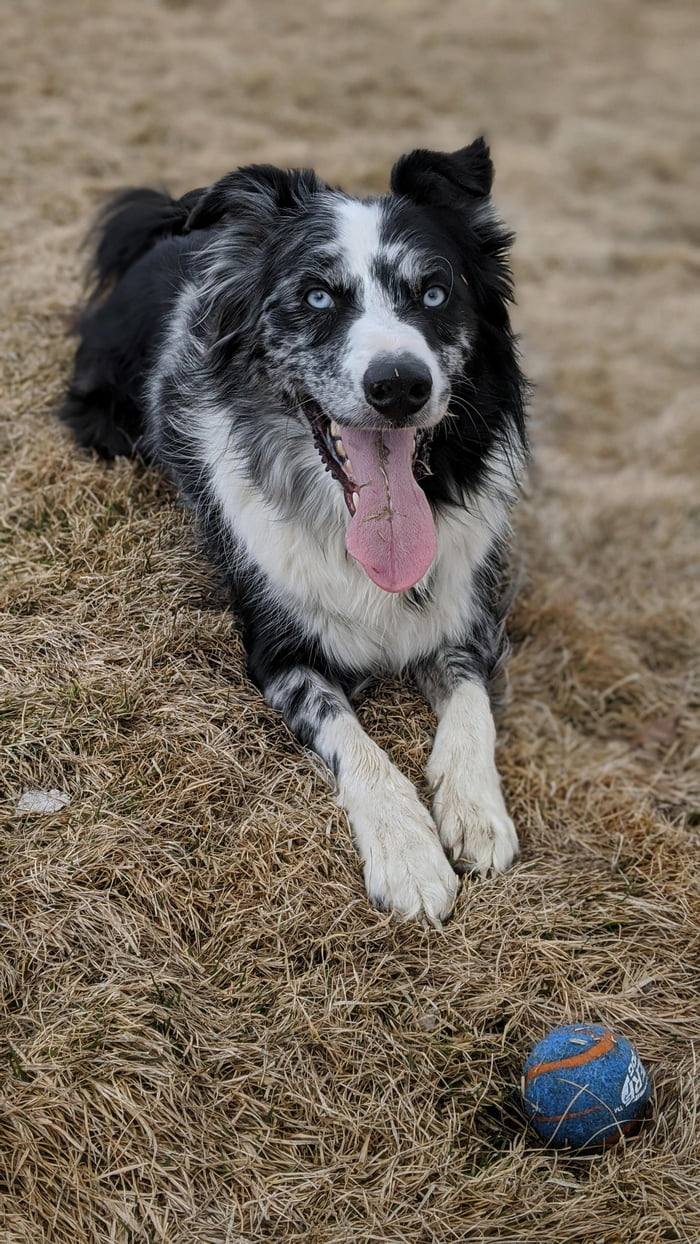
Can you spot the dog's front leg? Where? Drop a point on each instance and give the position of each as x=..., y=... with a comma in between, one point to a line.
x=474, y=826
x=405, y=867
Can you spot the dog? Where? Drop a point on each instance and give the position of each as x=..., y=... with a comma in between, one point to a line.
x=334, y=387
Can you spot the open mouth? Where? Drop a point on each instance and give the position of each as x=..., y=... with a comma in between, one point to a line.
x=328, y=436
x=329, y=442
x=392, y=531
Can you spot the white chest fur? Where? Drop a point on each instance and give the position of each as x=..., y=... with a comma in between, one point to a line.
x=300, y=547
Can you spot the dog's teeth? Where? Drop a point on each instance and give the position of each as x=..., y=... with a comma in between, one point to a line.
x=339, y=448
x=335, y=430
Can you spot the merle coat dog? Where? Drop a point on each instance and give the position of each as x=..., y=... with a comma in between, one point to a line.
x=333, y=385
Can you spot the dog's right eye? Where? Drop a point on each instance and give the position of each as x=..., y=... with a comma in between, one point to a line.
x=320, y=299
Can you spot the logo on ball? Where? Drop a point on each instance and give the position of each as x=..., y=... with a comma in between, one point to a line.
x=636, y=1082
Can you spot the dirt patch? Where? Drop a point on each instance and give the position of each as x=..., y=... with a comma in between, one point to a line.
x=210, y=1037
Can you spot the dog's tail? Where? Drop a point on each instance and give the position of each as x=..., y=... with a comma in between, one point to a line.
x=104, y=403
x=129, y=224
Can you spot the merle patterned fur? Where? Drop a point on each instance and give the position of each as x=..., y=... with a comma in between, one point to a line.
x=200, y=352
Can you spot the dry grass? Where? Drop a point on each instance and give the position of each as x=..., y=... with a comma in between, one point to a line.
x=209, y=1035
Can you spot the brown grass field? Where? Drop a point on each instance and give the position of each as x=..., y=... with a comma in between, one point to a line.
x=209, y=1037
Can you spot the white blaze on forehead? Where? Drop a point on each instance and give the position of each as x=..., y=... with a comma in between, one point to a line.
x=359, y=236
x=378, y=329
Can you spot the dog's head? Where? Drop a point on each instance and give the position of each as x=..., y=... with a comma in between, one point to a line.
x=363, y=318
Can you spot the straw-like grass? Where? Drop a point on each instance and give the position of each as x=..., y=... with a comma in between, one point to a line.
x=210, y=1037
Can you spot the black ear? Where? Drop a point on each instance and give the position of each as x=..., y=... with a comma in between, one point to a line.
x=258, y=191
x=461, y=183
x=437, y=179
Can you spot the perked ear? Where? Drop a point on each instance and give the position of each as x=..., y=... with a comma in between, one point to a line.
x=436, y=179
x=258, y=191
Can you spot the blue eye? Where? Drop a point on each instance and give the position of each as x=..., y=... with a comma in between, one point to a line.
x=435, y=296
x=320, y=299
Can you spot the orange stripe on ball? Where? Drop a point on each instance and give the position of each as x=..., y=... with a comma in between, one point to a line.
x=606, y=1043
x=623, y=1129
x=568, y=1114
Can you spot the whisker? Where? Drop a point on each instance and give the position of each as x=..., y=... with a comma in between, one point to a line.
x=471, y=411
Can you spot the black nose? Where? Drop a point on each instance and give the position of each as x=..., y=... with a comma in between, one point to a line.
x=397, y=385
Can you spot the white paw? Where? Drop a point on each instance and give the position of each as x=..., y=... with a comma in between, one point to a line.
x=405, y=867
x=468, y=808
x=473, y=824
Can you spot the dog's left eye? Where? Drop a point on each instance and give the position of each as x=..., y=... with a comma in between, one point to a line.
x=320, y=299
x=435, y=296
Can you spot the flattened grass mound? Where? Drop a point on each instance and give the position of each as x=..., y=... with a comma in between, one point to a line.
x=209, y=1035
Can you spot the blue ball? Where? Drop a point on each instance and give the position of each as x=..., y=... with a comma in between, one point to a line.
x=584, y=1086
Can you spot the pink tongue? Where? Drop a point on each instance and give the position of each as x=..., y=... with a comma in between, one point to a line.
x=392, y=533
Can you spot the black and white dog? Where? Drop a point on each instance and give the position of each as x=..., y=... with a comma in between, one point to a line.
x=333, y=385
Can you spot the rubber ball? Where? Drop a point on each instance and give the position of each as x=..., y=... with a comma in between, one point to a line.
x=585, y=1087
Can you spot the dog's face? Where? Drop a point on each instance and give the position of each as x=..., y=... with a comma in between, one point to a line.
x=366, y=322
x=361, y=316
